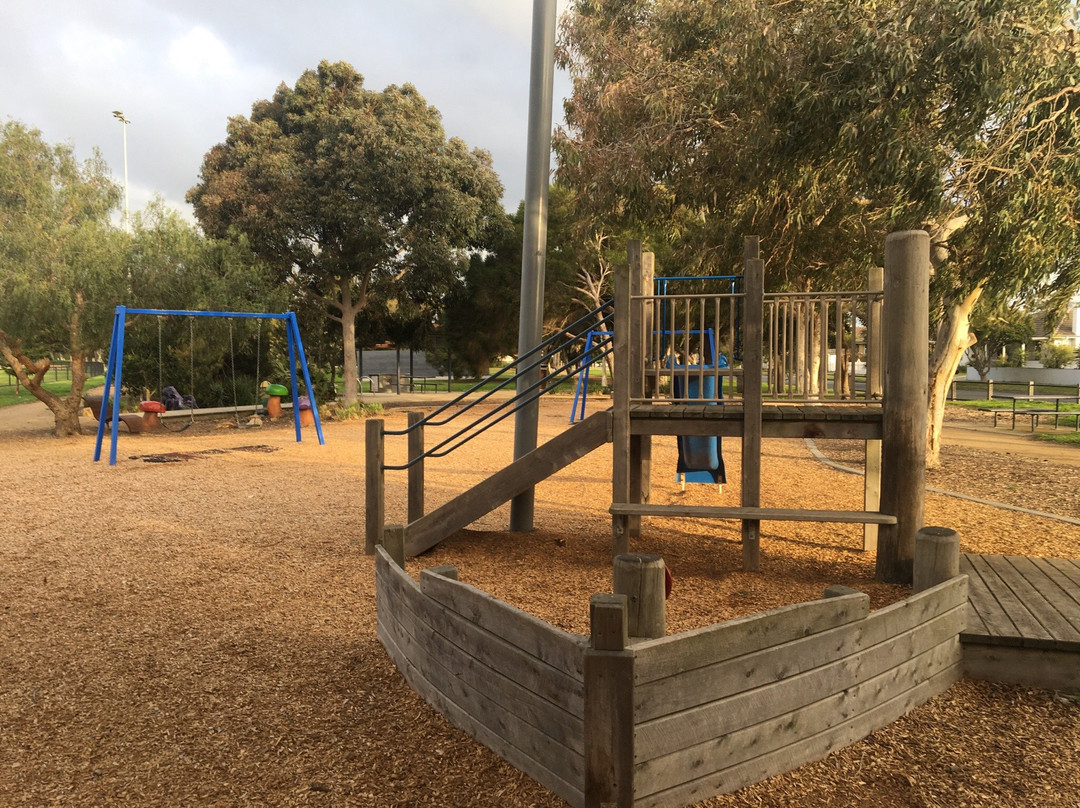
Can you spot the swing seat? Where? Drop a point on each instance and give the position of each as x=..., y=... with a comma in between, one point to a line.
x=150, y=411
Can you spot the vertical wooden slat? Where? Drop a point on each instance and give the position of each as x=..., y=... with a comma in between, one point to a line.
x=872, y=475
x=375, y=484
x=751, y=440
x=416, y=470
x=640, y=445
x=609, y=706
x=620, y=426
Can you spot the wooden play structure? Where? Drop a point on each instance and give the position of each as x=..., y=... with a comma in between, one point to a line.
x=630, y=717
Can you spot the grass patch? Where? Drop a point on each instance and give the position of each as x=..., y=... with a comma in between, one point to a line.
x=1069, y=439
x=60, y=387
x=353, y=412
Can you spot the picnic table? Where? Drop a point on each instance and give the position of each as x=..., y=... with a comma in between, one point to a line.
x=1035, y=412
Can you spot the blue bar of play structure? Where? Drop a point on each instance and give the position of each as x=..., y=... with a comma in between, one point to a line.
x=115, y=364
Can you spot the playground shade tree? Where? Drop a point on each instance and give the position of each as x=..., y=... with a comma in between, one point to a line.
x=823, y=126
x=350, y=194
x=61, y=263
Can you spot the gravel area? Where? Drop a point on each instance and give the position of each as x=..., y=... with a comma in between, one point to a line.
x=201, y=632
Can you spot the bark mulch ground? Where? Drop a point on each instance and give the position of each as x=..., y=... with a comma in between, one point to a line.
x=201, y=632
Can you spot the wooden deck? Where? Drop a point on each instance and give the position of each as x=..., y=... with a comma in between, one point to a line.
x=1023, y=620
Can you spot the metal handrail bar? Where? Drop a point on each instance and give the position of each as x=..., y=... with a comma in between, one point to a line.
x=429, y=420
x=536, y=390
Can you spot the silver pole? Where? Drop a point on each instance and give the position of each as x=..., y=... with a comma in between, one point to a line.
x=534, y=239
x=119, y=115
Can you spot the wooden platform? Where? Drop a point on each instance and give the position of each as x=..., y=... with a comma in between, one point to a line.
x=856, y=421
x=1023, y=620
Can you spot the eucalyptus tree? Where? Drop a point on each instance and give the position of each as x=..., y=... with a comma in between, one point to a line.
x=61, y=264
x=350, y=193
x=824, y=124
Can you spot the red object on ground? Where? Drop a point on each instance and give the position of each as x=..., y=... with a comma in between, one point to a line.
x=151, y=406
x=669, y=582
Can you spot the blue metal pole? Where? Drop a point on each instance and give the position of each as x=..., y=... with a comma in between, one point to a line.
x=109, y=366
x=291, y=320
x=292, y=377
x=118, y=377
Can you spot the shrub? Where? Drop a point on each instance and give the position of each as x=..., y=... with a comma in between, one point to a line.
x=1055, y=355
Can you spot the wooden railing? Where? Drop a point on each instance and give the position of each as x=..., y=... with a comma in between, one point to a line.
x=614, y=720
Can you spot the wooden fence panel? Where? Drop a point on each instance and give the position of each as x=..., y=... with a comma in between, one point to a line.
x=713, y=682
x=523, y=709
x=560, y=649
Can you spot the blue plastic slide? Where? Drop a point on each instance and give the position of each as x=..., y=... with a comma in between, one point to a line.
x=701, y=459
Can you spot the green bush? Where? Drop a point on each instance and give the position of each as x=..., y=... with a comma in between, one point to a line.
x=1055, y=355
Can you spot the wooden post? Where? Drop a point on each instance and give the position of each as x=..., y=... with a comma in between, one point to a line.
x=753, y=297
x=641, y=578
x=990, y=389
x=1031, y=387
x=416, y=470
x=394, y=542
x=937, y=557
x=872, y=473
x=620, y=397
x=609, y=706
x=905, y=321
x=375, y=484
x=641, y=283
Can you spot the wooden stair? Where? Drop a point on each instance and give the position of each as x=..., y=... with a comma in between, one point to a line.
x=521, y=475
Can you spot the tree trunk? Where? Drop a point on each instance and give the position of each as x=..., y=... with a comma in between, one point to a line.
x=350, y=372
x=953, y=338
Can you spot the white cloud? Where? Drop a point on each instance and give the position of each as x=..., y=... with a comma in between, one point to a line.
x=199, y=53
x=88, y=49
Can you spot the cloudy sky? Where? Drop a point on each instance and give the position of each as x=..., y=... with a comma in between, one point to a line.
x=179, y=68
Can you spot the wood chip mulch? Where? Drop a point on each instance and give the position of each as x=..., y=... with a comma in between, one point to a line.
x=203, y=634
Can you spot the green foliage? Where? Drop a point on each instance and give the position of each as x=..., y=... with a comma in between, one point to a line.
x=824, y=125
x=349, y=412
x=998, y=329
x=1055, y=355
x=61, y=261
x=351, y=194
x=1015, y=357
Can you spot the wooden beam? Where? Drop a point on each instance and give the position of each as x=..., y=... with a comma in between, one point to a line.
x=374, y=484
x=539, y=464
x=753, y=281
x=756, y=514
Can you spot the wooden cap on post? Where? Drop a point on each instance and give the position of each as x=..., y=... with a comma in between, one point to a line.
x=937, y=557
x=641, y=578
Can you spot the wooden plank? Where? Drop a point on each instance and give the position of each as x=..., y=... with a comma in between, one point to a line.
x=806, y=718
x=804, y=751
x=762, y=514
x=572, y=792
x=502, y=486
x=553, y=685
x=1039, y=605
x=713, y=682
x=682, y=652
x=1067, y=567
x=609, y=731
x=1026, y=624
x=753, y=312
x=1069, y=597
x=727, y=428
x=375, y=484
x=550, y=719
x=486, y=704
x=993, y=618
x=748, y=705
x=1033, y=667
x=557, y=648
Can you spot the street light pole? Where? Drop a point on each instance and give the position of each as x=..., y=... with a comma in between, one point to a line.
x=119, y=115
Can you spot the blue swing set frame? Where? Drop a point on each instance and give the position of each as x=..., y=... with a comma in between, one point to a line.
x=115, y=366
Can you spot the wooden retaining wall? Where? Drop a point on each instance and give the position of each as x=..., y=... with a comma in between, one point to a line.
x=511, y=681
x=671, y=721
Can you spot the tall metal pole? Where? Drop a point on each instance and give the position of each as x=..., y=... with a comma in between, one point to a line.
x=119, y=115
x=534, y=240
